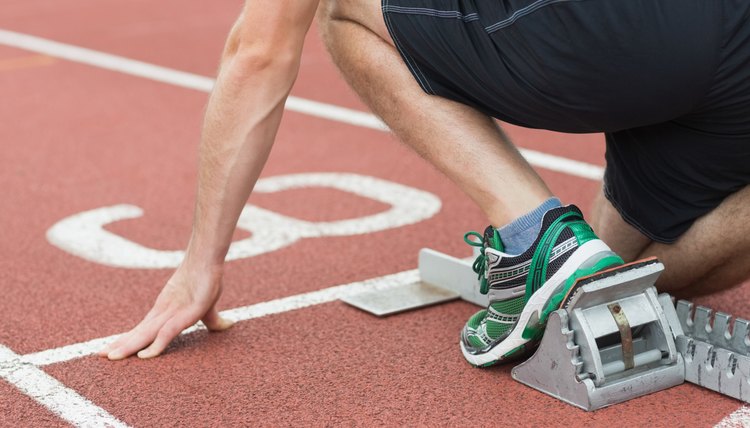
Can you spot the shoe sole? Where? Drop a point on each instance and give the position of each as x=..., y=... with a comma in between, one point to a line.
x=531, y=316
x=580, y=282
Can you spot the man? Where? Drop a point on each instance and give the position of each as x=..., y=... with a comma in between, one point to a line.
x=667, y=81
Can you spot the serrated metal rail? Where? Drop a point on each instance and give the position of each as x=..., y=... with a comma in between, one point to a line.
x=716, y=351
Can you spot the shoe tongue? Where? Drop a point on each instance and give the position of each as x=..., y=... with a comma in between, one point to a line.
x=492, y=239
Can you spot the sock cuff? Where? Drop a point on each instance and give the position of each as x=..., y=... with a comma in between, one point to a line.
x=530, y=219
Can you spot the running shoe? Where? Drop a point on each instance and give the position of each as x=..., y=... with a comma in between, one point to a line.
x=524, y=289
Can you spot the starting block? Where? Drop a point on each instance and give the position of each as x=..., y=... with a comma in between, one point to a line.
x=613, y=339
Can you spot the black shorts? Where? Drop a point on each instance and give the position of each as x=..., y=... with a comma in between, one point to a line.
x=667, y=81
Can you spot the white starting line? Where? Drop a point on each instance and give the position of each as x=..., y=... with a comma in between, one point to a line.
x=244, y=313
x=24, y=372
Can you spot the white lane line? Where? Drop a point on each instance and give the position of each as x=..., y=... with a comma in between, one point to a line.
x=300, y=105
x=740, y=418
x=52, y=394
x=286, y=304
x=564, y=165
x=67, y=353
x=174, y=77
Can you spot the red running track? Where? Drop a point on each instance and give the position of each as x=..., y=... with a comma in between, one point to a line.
x=77, y=138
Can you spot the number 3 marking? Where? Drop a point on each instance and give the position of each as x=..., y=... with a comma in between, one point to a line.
x=83, y=234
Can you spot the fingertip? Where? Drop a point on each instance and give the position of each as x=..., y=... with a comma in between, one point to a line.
x=225, y=323
x=107, y=348
x=218, y=324
x=146, y=354
x=115, y=355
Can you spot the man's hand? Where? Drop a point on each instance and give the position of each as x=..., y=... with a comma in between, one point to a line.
x=183, y=301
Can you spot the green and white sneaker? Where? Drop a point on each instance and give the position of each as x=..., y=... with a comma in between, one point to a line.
x=524, y=289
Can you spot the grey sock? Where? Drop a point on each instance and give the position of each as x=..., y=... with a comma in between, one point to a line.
x=518, y=236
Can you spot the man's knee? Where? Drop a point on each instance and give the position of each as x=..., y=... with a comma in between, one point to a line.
x=713, y=255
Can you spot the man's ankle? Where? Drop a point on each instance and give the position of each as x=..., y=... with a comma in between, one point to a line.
x=520, y=234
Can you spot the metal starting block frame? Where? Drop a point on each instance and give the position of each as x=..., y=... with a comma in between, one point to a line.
x=614, y=339
x=612, y=342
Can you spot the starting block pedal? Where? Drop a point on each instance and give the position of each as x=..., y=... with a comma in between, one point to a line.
x=613, y=339
x=442, y=279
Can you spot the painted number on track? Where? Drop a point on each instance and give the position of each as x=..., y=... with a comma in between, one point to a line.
x=83, y=234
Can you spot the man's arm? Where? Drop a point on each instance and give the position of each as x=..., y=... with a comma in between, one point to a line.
x=258, y=67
